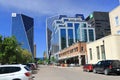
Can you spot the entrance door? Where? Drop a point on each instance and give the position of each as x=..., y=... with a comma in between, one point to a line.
x=82, y=59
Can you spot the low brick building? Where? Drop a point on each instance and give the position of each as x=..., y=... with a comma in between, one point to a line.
x=74, y=54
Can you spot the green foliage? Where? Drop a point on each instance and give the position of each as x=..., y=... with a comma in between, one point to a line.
x=46, y=61
x=11, y=51
x=53, y=59
x=26, y=56
x=40, y=61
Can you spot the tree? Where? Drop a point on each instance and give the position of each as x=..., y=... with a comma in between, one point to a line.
x=53, y=59
x=11, y=51
x=8, y=49
x=40, y=61
x=26, y=56
x=0, y=48
x=45, y=61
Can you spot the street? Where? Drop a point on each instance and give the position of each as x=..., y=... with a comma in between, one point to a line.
x=69, y=73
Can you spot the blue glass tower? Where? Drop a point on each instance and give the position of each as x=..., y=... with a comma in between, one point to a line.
x=23, y=30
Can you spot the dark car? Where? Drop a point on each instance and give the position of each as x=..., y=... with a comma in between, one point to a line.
x=88, y=67
x=32, y=66
x=107, y=67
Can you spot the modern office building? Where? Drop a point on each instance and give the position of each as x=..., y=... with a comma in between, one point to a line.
x=68, y=30
x=100, y=21
x=23, y=30
x=107, y=47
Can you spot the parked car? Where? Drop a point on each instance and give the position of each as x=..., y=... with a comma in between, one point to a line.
x=71, y=65
x=34, y=66
x=88, y=67
x=107, y=67
x=30, y=66
x=15, y=72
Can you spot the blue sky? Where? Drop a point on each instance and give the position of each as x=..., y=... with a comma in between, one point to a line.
x=41, y=9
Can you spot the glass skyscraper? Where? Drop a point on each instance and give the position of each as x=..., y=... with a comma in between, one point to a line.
x=68, y=30
x=23, y=30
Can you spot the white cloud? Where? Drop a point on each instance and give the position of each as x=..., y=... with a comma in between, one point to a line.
x=41, y=6
x=53, y=7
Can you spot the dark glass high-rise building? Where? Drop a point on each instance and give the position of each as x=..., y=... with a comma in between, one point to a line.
x=100, y=21
x=23, y=30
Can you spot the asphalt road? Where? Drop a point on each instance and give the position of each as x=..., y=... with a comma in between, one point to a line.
x=75, y=73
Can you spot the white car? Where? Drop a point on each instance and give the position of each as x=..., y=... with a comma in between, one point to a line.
x=15, y=72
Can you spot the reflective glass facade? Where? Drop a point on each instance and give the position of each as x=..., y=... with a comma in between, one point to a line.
x=76, y=25
x=66, y=30
x=83, y=25
x=63, y=38
x=50, y=34
x=70, y=24
x=91, y=33
x=23, y=30
x=70, y=37
x=84, y=35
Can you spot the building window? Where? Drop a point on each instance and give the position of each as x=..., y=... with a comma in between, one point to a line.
x=66, y=20
x=90, y=51
x=70, y=37
x=76, y=31
x=63, y=38
x=71, y=51
x=83, y=25
x=82, y=49
x=91, y=34
x=118, y=32
x=70, y=24
x=98, y=52
x=117, y=21
x=58, y=21
x=61, y=25
x=103, y=52
x=84, y=35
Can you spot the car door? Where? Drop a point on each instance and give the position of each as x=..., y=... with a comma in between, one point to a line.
x=102, y=66
x=4, y=73
x=97, y=66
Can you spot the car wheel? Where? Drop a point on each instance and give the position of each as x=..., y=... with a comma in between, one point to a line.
x=94, y=70
x=118, y=73
x=16, y=79
x=106, y=72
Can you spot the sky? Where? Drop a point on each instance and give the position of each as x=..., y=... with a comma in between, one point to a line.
x=40, y=10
